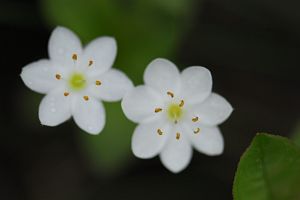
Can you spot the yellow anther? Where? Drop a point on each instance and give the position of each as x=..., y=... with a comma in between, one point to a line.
x=181, y=103
x=157, y=110
x=74, y=56
x=197, y=130
x=86, y=98
x=58, y=76
x=98, y=82
x=195, y=119
x=159, y=131
x=171, y=94
x=66, y=94
x=177, y=136
x=90, y=62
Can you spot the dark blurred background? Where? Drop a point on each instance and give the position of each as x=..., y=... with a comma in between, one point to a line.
x=250, y=46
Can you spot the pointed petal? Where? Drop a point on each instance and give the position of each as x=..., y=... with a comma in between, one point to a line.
x=208, y=141
x=146, y=142
x=196, y=84
x=102, y=52
x=139, y=104
x=40, y=76
x=114, y=85
x=63, y=43
x=89, y=115
x=214, y=110
x=177, y=154
x=163, y=76
x=55, y=108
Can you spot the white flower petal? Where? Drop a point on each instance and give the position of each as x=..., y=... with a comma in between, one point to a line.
x=139, y=104
x=102, y=52
x=114, y=85
x=208, y=141
x=213, y=111
x=196, y=84
x=177, y=154
x=40, y=76
x=55, y=108
x=146, y=142
x=63, y=43
x=89, y=115
x=162, y=75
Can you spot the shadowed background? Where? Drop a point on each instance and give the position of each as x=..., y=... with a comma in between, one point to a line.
x=250, y=46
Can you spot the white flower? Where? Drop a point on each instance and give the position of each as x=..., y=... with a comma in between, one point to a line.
x=175, y=111
x=75, y=79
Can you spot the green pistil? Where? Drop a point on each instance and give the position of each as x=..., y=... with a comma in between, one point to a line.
x=175, y=112
x=77, y=81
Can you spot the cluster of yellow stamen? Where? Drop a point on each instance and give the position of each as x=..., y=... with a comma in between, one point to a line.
x=171, y=94
x=196, y=119
x=177, y=136
x=159, y=131
x=74, y=57
x=197, y=130
x=175, y=112
x=90, y=63
x=156, y=110
x=86, y=98
x=98, y=82
x=58, y=76
x=181, y=103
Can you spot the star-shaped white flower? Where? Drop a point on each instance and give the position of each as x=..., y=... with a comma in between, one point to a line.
x=75, y=79
x=175, y=111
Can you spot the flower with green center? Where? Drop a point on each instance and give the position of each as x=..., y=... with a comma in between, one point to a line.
x=75, y=80
x=175, y=111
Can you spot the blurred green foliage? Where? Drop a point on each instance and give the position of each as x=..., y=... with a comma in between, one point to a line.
x=109, y=151
x=296, y=134
x=144, y=30
x=268, y=170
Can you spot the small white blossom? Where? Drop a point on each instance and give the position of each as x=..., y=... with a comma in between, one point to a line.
x=74, y=79
x=175, y=111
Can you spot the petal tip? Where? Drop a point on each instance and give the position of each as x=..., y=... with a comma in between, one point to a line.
x=175, y=170
x=46, y=123
x=214, y=152
x=91, y=130
x=141, y=155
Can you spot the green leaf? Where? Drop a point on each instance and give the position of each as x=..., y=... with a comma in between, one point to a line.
x=268, y=170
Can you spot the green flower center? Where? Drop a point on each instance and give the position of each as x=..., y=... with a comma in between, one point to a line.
x=77, y=81
x=175, y=112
